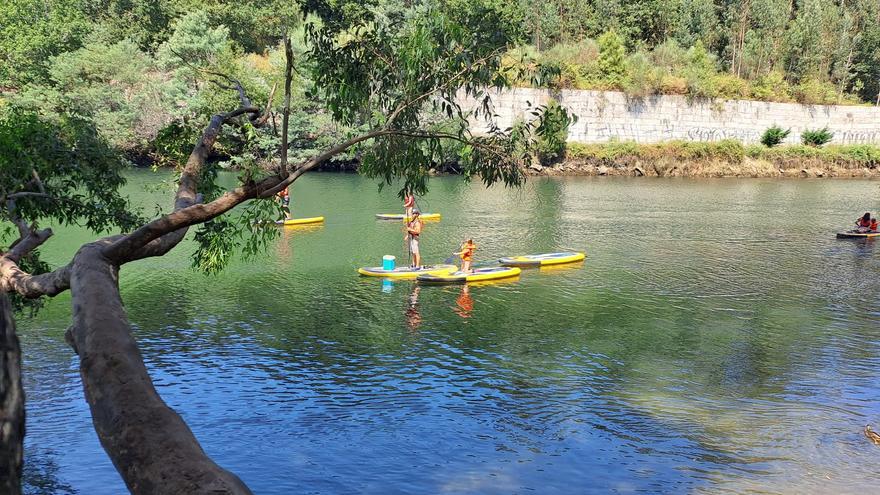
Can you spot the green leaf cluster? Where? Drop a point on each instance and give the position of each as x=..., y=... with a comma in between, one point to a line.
x=63, y=172
x=816, y=137
x=774, y=135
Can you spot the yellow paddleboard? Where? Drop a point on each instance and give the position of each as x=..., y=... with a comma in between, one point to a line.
x=478, y=275
x=401, y=216
x=300, y=221
x=543, y=259
x=406, y=271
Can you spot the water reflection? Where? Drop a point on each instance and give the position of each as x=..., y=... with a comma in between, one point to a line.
x=706, y=345
x=464, y=303
x=413, y=317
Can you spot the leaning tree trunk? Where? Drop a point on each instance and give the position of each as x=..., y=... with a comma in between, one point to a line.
x=11, y=403
x=150, y=444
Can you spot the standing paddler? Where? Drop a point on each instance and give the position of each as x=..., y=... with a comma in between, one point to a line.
x=413, y=231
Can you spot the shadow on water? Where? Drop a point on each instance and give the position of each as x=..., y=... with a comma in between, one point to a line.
x=41, y=475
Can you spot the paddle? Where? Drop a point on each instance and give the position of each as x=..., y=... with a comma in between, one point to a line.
x=406, y=239
x=450, y=260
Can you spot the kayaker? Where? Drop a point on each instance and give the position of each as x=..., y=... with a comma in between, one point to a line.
x=874, y=225
x=413, y=231
x=409, y=202
x=467, y=255
x=284, y=196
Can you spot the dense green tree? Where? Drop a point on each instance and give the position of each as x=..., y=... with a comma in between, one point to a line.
x=116, y=86
x=31, y=32
x=612, y=59
x=866, y=64
x=697, y=20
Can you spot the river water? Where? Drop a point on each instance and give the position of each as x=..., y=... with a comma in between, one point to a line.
x=718, y=339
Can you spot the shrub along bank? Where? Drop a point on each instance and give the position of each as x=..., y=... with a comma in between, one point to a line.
x=718, y=159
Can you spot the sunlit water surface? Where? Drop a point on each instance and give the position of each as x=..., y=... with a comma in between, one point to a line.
x=718, y=339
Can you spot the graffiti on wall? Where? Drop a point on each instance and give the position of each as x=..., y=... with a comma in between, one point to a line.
x=610, y=116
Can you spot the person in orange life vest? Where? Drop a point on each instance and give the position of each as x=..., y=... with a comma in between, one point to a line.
x=873, y=225
x=467, y=255
x=413, y=231
x=284, y=196
x=864, y=224
x=409, y=202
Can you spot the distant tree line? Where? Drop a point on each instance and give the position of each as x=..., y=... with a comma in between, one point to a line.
x=144, y=71
x=815, y=51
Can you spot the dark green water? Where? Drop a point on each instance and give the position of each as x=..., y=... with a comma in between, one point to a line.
x=718, y=339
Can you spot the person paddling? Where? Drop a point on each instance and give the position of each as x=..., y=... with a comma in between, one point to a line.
x=467, y=255
x=863, y=224
x=413, y=231
x=284, y=196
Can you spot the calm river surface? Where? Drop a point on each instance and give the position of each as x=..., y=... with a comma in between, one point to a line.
x=718, y=339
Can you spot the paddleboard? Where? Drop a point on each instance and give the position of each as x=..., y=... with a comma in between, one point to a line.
x=857, y=235
x=406, y=271
x=300, y=221
x=401, y=216
x=478, y=275
x=545, y=259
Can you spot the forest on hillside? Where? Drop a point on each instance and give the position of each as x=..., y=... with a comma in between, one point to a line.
x=141, y=71
x=811, y=51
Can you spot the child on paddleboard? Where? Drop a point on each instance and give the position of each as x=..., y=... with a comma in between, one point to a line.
x=284, y=197
x=467, y=255
x=863, y=224
x=873, y=224
x=413, y=231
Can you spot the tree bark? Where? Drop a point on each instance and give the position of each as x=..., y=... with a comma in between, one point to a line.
x=149, y=443
x=11, y=403
x=288, y=76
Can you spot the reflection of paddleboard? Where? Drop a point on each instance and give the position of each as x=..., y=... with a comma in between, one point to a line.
x=406, y=271
x=300, y=221
x=478, y=275
x=857, y=235
x=542, y=259
x=401, y=216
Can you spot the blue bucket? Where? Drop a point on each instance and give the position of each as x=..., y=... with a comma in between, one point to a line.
x=388, y=262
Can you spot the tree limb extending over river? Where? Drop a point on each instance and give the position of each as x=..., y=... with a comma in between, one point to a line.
x=424, y=59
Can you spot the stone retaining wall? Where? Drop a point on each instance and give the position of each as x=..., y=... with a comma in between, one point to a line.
x=608, y=115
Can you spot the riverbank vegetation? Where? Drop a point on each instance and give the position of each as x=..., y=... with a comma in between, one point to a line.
x=141, y=71
x=726, y=158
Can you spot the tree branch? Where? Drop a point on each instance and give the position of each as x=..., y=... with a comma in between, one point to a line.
x=267, y=112
x=13, y=278
x=11, y=403
x=23, y=229
x=149, y=443
x=38, y=181
x=28, y=243
x=455, y=77
x=288, y=57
